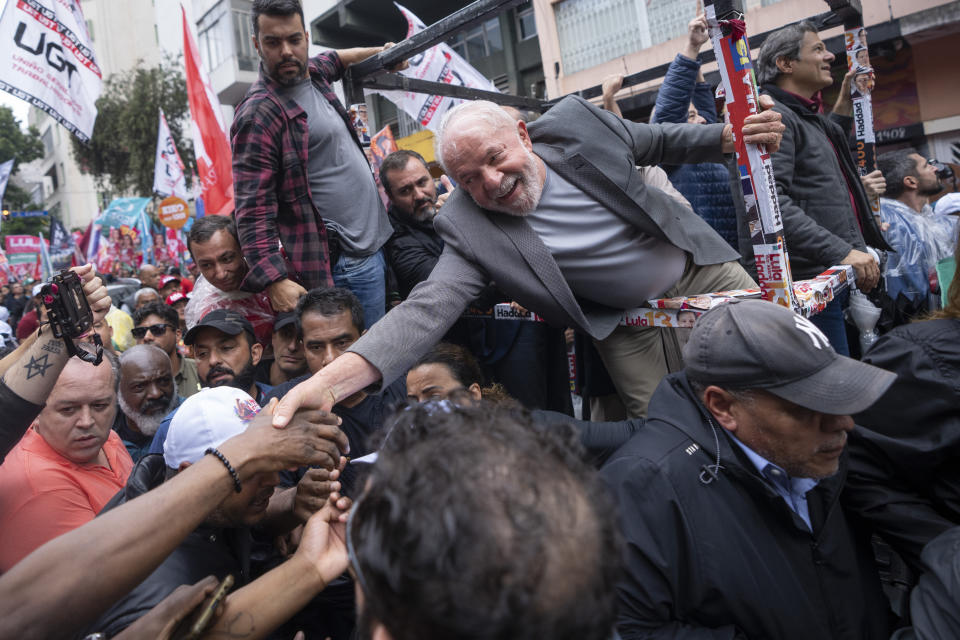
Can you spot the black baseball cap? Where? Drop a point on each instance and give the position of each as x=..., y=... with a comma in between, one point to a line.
x=754, y=344
x=284, y=318
x=226, y=320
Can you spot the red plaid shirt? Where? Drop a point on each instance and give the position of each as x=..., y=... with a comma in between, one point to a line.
x=274, y=206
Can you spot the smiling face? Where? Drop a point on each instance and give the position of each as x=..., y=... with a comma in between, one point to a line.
x=496, y=166
x=282, y=44
x=811, y=71
x=79, y=412
x=220, y=260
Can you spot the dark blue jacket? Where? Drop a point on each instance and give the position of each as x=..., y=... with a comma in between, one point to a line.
x=706, y=186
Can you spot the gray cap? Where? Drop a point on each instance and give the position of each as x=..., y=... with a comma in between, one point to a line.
x=753, y=344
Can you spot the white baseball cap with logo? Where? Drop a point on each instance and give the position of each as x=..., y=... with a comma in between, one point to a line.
x=207, y=419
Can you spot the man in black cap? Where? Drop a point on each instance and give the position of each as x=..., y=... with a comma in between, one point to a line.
x=729, y=495
x=288, y=361
x=227, y=353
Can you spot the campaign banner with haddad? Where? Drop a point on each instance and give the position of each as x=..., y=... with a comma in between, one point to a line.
x=437, y=64
x=49, y=61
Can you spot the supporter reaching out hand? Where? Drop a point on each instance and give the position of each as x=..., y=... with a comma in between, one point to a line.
x=258, y=608
x=844, y=104
x=612, y=84
x=445, y=181
x=316, y=440
x=697, y=35
x=161, y=621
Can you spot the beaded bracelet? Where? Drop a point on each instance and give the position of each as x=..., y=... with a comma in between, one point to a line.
x=226, y=463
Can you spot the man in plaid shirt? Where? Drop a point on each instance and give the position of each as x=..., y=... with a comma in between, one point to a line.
x=301, y=179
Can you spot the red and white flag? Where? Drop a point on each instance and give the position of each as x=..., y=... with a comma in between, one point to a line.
x=168, y=177
x=209, y=136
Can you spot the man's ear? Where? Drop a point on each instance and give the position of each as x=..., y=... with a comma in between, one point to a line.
x=719, y=403
x=524, y=135
x=475, y=392
x=256, y=352
x=911, y=182
x=785, y=65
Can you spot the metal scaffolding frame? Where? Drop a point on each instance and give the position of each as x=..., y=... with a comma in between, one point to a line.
x=373, y=73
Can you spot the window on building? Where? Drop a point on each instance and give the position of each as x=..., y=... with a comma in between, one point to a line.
x=213, y=36
x=47, y=138
x=594, y=31
x=526, y=24
x=480, y=41
x=52, y=174
x=668, y=19
x=247, y=58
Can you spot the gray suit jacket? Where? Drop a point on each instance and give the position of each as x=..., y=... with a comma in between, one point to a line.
x=594, y=150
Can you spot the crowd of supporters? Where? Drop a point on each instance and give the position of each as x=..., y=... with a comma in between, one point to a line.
x=324, y=430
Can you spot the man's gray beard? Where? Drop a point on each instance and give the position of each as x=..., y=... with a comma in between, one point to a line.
x=425, y=214
x=531, y=197
x=147, y=424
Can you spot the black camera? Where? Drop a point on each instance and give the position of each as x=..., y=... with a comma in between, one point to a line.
x=944, y=171
x=69, y=313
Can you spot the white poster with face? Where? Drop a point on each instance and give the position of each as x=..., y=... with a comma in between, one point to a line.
x=437, y=64
x=49, y=63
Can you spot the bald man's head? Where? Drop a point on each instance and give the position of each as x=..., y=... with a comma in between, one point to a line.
x=148, y=391
x=149, y=276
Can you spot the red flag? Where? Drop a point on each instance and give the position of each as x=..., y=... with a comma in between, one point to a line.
x=209, y=138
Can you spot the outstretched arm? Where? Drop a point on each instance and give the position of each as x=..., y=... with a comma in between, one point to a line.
x=68, y=582
x=263, y=605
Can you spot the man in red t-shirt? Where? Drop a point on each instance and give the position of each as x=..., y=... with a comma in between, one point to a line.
x=69, y=463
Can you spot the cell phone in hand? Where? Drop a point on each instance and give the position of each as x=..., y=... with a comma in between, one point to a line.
x=194, y=626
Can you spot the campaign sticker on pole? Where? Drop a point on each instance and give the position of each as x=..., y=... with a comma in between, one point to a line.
x=861, y=89
x=173, y=212
x=209, y=136
x=727, y=33
x=49, y=62
x=168, y=176
x=437, y=64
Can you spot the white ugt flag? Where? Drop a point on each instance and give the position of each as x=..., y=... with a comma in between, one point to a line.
x=48, y=61
x=437, y=64
x=168, y=177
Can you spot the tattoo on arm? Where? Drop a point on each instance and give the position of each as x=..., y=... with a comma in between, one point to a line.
x=54, y=346
x=241, y=625
x=37, y=366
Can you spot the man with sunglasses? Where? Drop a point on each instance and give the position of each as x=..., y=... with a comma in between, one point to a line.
x=158, y=324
